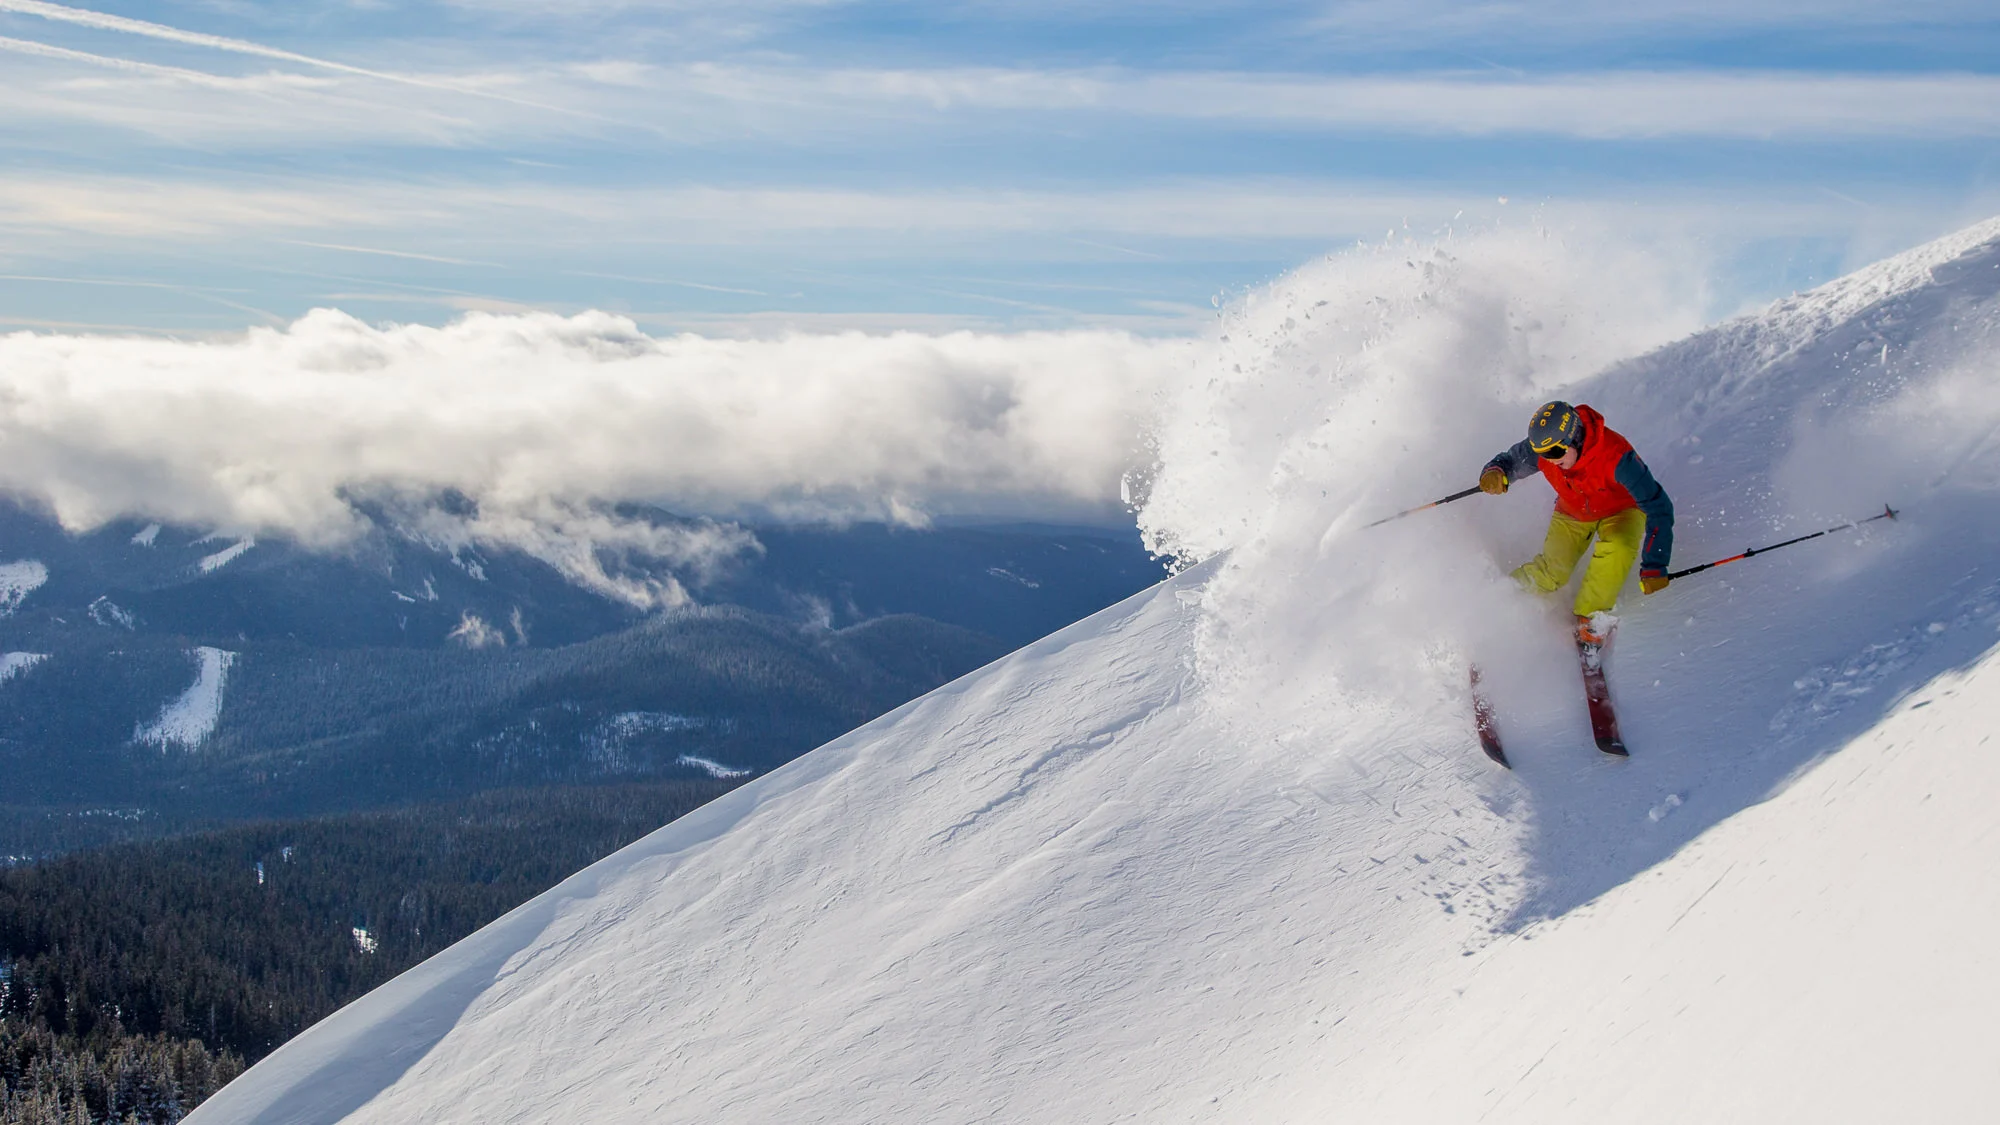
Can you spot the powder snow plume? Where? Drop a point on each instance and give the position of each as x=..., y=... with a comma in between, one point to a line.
x=546, y=423
x=1360, y=385
x=1382, y=378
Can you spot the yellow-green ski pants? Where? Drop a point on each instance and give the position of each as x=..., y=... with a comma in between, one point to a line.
x=1611, y=560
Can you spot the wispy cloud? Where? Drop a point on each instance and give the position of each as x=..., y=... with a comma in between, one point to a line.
x=1454, y=23
x=406, y=255
x=154, y=70
x=1616, y=105
x=115, y=283
x=106, y=22
x=1447, y=23
x=702, y=216
x=650, y=154
x=94, y=326
x=54, y=207
x=678, y=284
x=710, y=104
x=189, y=108
x=537, y=214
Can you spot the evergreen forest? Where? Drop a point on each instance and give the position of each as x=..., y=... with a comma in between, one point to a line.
x=137, y=979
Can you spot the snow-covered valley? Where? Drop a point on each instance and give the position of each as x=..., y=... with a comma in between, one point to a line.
x=1228, y=850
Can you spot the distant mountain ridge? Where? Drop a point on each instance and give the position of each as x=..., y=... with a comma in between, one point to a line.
x=186, y=677
x=396, y=586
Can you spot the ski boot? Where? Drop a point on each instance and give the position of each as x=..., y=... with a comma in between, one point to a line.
x=1593, y=632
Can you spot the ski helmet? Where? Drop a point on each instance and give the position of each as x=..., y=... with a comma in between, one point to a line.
x=1554, y=428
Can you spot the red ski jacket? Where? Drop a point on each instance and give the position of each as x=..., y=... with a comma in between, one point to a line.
x=1608, y=478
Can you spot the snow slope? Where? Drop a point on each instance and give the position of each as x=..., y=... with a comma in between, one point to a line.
x=17, y=581
x=209, y=564
x=192, y=716
x=1227, y=851
x=14, y=663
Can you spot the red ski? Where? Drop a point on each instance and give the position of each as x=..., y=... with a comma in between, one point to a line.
x=1482, y=717
x=1603, y=720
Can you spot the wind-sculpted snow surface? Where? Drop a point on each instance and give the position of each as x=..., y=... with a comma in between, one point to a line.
x=1229, y=852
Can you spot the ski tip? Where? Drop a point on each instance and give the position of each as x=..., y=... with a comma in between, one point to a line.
x=1614, y=748
x=1500, y=756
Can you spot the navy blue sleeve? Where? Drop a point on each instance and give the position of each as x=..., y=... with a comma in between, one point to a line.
x=1637, y=479
x=1516, y=461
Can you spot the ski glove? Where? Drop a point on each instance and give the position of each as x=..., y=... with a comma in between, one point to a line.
x=1652, y=581
x=1493, y=481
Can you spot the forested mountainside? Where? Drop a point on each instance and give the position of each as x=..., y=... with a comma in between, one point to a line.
x=403, y=586
x=154, y=680
x=292, y=731
x=135, y=980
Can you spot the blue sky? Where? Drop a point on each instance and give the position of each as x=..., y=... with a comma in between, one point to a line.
x=199, y=166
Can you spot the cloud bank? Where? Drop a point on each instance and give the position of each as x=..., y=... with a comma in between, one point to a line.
x=545, y=424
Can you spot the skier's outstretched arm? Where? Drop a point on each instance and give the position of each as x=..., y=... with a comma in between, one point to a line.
x=1658, y=546
x=1506, y=467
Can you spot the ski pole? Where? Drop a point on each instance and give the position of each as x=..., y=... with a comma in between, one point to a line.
x=1424, y=507
x=1887, y=513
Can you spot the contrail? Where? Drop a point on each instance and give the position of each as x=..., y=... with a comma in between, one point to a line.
x=666, y=281
x=44, y=50
x=194, y=291
x=106, y=22
x=387, y=253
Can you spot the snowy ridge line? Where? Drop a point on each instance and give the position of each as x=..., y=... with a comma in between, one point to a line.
x=192, y=717
x=1793, y=323
x=1846, y=297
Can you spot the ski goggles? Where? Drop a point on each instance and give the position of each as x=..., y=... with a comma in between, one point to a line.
x=1553, y=452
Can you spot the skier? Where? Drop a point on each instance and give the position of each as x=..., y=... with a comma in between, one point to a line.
x=1602, y=489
